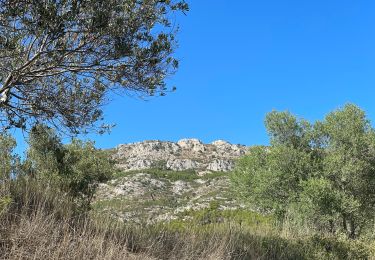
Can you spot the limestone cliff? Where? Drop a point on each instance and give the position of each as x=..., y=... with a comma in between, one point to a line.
x=186, y=154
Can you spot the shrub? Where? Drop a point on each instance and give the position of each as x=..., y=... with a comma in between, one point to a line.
x=75, y=168
x=324, y=171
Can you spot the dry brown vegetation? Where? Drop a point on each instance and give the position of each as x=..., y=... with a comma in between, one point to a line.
x=40, y=223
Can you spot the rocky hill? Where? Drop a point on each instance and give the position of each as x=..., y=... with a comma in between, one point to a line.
x=186, y=154
x=164, y=181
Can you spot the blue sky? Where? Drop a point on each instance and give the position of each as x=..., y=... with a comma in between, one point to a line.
x=240, y=61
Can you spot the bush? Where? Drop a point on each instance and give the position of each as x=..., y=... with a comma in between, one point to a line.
x=323, y=172
x=75, y=168
x=9, y=161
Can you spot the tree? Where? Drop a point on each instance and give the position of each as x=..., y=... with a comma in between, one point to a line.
x=75, y=168
x=87, y=167
x=60, y=58
x=323, y=171
x=45, y=155
x=270, y=177
x=8, y=161
x=349, y=164
x=9, y=168
x=285, y=129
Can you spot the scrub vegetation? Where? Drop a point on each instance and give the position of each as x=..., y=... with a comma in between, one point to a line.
x=308, y=195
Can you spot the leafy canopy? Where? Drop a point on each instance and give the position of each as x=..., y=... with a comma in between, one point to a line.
x=76, y=168
x=59, y=58
x=323, y=173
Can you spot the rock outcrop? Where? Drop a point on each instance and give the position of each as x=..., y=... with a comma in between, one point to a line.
x=146, y=198
x=142, y=194
x=186, y=154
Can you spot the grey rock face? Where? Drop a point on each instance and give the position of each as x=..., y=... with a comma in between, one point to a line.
x=182, y=164
x=186, y=154
x=133, y=186
x=150, y=150
x=194, y=145
x=220, y=165
x=180, y=187
x=136, y=164
x=223, y=147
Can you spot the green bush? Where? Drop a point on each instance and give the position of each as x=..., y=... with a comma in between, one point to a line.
x=9, y=162
x=323, y=172
x=75, y=168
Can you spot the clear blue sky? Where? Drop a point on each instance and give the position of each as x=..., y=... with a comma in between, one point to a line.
x=242, y=59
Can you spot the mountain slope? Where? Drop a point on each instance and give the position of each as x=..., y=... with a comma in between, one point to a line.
x=163, y=181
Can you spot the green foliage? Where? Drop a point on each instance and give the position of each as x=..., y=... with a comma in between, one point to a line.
x=38, y=212
x=325, y=172
x=61, y=58
x=46, y=152
x=319, y=202
x=349, y=164
x=9, y=161
x=5, y=201
x=213, y=215
x=44, y=202
x=9, y=169
x=270, y=178
x=75, y=168
x=340, y=248
x=285, y=129
x=87, y=167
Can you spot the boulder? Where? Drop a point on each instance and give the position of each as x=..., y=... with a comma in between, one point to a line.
x=182, y=164
x=151, y=150
x=220, y=165
x=225, y=149
x=194, y=145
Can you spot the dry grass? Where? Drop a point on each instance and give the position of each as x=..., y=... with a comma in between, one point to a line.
x=38, y=236
x=42, y=224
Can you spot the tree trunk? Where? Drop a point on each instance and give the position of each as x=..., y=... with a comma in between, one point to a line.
x=331, y=226
x=352, y=229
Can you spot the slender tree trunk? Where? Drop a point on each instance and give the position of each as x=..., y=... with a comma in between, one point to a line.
x=331, y=226
x=352, y=229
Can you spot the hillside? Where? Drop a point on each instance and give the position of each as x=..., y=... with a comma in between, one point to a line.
x=162, y=181
x=163, y=213
x=186, y=154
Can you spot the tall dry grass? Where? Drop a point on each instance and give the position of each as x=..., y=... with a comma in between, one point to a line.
x=40, y=223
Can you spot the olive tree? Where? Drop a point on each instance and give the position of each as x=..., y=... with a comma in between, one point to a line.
x=75, y=169
x=60, y=58
x=270, y=177
x=349, y=165
x=324, y=173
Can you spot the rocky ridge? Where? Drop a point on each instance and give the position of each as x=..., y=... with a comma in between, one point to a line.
x=186, y=154
x=164, y=181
